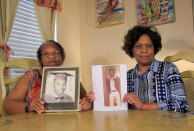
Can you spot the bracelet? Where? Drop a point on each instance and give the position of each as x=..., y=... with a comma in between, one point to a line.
x=27, y=107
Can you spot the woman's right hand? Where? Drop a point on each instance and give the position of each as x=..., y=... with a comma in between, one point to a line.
x=91, y=96
x=134, y=100
x=37, y=105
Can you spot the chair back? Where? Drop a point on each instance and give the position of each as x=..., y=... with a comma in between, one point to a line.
x=187, y=76
x=14, y=64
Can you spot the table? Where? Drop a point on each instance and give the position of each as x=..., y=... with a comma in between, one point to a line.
x=131, y=120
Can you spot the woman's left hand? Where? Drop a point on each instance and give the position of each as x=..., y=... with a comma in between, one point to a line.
x=134, y=100
x=85, y=104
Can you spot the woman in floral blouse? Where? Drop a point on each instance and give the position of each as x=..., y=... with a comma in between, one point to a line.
x=25, y=96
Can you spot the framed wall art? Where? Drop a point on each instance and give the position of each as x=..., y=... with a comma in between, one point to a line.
x=155, y=12
x=60, y=88
x=109, y=12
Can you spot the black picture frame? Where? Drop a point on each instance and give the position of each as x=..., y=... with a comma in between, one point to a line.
x=69, y=100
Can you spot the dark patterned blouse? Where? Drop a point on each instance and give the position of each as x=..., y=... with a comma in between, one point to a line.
x=164, y=86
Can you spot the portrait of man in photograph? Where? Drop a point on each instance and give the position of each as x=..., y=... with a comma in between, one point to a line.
x=112, y=88
x=58, y=92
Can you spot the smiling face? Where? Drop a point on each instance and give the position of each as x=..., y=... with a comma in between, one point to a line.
x=143, y=51
x=51, y=56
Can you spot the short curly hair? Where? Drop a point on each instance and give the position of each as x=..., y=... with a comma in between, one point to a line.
x=39, y=51
x=133, y=35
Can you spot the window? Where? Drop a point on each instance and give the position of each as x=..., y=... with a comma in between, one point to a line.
x=25, y=36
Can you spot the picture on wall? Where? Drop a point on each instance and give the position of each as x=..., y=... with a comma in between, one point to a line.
x=155, y=12
x=109, y=12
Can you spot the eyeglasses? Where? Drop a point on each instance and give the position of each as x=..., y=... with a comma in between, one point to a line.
x=47, y=54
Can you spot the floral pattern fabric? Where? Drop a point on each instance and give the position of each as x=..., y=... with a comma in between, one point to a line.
x=34, y=85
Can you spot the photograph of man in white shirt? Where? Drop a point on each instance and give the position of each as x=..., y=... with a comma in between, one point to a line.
x=112, y=88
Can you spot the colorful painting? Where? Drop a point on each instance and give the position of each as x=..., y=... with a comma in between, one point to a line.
x=109, y=12
x=154, y=12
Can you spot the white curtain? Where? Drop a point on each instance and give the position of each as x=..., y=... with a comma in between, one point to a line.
x=46, y=21
x=7, y=14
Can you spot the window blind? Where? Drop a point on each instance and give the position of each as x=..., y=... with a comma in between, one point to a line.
x=25, y=36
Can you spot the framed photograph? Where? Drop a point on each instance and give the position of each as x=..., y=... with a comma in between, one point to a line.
x=60, y=88
x=109, y=86
x=109, y=12
x=155, y=12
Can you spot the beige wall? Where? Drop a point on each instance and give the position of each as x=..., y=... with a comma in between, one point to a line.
x=103, y=45
x=69, y=31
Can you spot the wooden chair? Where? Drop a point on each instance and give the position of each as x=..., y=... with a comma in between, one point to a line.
x=23, y=64
x=187, y=76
